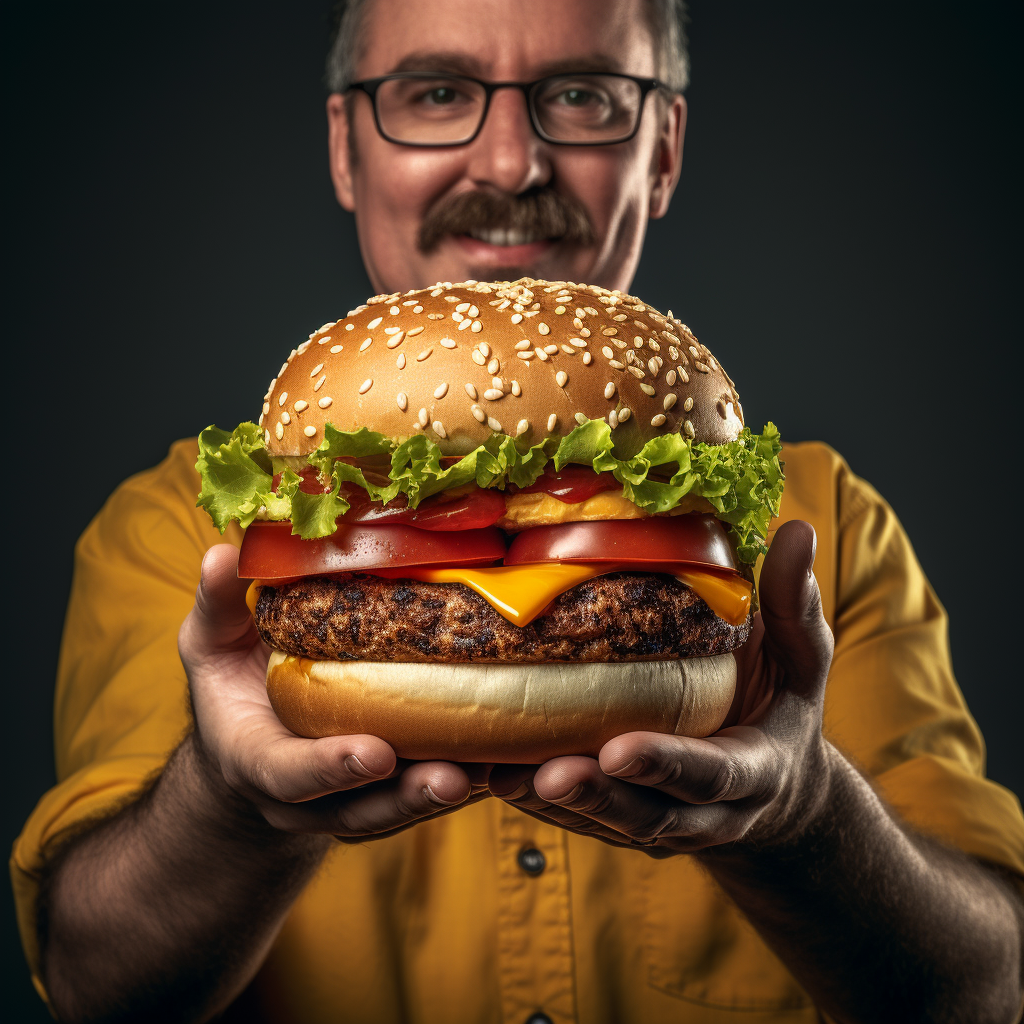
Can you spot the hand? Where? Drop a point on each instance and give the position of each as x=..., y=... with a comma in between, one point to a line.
x=352, y=787
x=756, y=780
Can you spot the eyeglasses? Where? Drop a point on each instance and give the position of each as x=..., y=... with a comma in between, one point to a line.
x=422, y=108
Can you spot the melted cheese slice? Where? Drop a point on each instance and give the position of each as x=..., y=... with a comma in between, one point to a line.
x=525, y=510
x=522, y=592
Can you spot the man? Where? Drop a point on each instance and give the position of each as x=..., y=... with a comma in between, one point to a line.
x=167, y=907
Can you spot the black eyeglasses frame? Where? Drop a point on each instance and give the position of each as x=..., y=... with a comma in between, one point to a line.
x=371, y=85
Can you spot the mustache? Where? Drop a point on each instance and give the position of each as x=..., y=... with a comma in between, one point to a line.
x=541, y=212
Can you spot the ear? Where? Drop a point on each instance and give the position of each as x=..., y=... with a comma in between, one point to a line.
x=339, y=150
x=668, y=160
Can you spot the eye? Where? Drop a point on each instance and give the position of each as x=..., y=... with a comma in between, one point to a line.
x=575, y=97
x=441, y=96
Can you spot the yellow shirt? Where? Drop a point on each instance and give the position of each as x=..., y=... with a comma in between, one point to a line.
x=439, y=925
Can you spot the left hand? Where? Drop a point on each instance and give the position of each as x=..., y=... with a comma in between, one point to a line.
x=759, y=779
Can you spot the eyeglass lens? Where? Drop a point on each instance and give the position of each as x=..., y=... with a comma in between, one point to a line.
x=568, y=108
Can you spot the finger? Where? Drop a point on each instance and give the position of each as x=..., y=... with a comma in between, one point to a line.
x=790, y=608
x=220, y=619
x=738, y=763
x=423, y=790
x=286, y=768
x=644, y=815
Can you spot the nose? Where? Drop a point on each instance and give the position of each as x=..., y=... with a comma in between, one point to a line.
x=508, y=155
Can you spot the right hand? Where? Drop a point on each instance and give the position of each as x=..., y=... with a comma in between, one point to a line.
x=352, y=787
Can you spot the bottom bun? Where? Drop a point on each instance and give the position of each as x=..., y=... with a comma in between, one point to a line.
x=503, y=713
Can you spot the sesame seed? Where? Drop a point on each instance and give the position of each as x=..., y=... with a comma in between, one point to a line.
x=624, y=414
x=580, y=418
x=366, y=344
x=394, y=311
x=465, y=324
x=496, y=382
x=494, y=424
x=561, y=377
x=503, y=304
x=476, y=327
x=325, y=402
x=688, y=428
x=619, y=317
x=559, y=310
x=542, y=328
x=471, y=391
x=478, y=413
x=580, y=313
x=647, y=389
x=493, y=366
x=309, y=431
x=323, y=341
x=669, y=336
x=302, y=348
x=610, y=332
x=441, y=390
x=577, y=322
x=654, y=345
x=350, y=327
x=412, y=332
x=366, y=385
x=613, y=420
x=473, y=312
x=335, y=349
x=417, y=309
x=282, y=398
x=637, y=372
x=552, y=422
x=437, y=291
x=522, y=427
x=693, y=352
x=683, y=375
x=591, y=310
x=525, y=355
x=374, y=323
x=279, y=430
x=478, y=357
x=516, y=389
x=541, y=354
x=301, y=405
x=462, y=307
x=578, y=342
x=447, y=343
x=285, y=418
x=522, y=344
x=439, y=428
x=659, y=420
x=653, y=366
x=424, y=354
x=403, y=400
x=688, y=405
x=400, y=362
x=638, y=341
x=493, y=394
x=266, y=437
x=484, y=348
x=670, y=400
x=517, y=318
x=435, y=316
x=673, y=352
x=316, y=369
x=320, y=383
x=670, y=378
x=266, y=408
x=584, y=333
x=588, y=358
x=609, y=389
x=700, y=366
x=423, y=418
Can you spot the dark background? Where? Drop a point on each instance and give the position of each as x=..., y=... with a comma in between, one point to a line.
x=846, y=238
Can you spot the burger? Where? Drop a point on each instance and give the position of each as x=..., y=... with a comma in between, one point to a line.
x=498, y=521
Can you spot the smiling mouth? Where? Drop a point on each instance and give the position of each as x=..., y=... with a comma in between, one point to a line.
x=507, y=236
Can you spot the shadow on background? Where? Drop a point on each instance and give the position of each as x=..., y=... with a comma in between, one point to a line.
x=845, y=238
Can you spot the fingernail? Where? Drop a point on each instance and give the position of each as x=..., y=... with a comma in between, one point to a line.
x=635, y=767
x=569, y=797
x=520, y=791
x=356, y=767
x=434, y=798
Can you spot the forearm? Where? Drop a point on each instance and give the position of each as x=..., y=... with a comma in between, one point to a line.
x=876, y=923
x=166, y=911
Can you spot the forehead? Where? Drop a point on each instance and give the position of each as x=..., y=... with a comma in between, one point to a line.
x=506, y=39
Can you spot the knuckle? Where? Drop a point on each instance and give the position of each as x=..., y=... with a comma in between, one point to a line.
x=720, y=783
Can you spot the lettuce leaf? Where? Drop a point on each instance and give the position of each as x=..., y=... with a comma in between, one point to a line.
x=742, y=479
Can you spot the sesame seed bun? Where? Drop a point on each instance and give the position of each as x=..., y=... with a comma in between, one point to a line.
x=504, y=713
x=530, y=359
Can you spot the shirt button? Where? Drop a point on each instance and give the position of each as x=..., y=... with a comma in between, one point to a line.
x=539, y=1018
x=533, y=862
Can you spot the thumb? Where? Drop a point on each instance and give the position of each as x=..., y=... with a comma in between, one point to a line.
x=220, y=616
x=790, y=605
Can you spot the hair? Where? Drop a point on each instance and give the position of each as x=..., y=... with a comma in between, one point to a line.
x=667, y=20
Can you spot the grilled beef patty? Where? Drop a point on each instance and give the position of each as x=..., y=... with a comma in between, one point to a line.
x=620, y=617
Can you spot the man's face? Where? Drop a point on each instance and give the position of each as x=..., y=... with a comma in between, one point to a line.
x=393, y=189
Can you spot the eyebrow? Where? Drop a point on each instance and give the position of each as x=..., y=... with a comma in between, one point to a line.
x=456, y=63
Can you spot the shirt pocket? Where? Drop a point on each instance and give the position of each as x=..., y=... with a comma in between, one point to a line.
x=700, y=948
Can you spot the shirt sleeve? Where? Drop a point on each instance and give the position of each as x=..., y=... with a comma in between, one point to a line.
x=892, y=703
x=120, y=706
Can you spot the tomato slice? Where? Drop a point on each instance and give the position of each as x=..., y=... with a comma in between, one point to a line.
x=270, y=551
x=694, y=538
x=471, y=511
x=571, y=484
